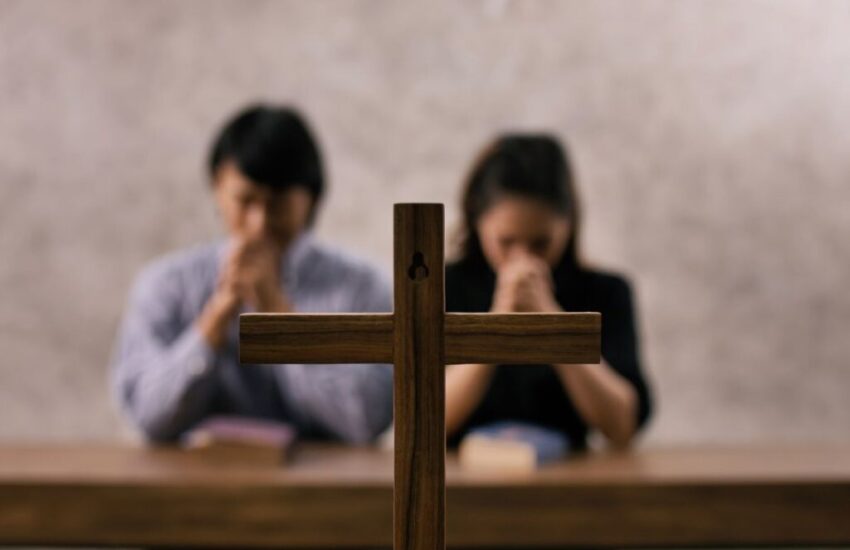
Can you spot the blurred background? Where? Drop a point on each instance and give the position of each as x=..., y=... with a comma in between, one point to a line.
x=710, y=140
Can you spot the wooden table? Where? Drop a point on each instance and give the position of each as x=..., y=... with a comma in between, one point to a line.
x=335, y=497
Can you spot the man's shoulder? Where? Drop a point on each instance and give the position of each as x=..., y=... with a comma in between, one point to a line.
x=342, y=281
x=191, y=263
x=343, y=265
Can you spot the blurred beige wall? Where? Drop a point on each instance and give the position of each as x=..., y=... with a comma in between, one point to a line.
x=711, y=141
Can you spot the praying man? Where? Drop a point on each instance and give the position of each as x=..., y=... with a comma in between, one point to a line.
x=176, y=360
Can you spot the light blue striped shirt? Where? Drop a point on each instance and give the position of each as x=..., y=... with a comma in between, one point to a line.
x=167, y=378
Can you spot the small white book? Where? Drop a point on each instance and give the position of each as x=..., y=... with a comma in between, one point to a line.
x=514, y=446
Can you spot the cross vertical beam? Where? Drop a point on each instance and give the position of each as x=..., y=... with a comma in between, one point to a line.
x=419, y=381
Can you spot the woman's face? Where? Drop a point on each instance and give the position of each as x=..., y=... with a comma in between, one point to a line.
x=516, y=225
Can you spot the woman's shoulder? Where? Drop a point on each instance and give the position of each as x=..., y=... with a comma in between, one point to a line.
x=606, y=279
x=461, y=275
x=606, y=286
x=455, y=275
x=457, y=265
x=468, y=286
x=463, y=269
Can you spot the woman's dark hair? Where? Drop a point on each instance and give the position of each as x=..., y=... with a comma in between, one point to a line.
x=273, y=146
x=534, y=166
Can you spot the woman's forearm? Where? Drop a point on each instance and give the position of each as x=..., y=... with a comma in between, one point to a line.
x=465, y=388
x=603, y=398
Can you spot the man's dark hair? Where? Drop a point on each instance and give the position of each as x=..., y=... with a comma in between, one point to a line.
x=272, y=146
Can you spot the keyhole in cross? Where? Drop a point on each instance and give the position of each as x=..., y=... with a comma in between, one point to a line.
x=417, y=270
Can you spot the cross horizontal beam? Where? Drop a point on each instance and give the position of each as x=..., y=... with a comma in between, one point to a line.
x=522, y=338
x=469, y=338
x=316, y=338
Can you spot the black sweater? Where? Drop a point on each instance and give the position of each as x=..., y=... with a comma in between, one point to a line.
x=534, y=393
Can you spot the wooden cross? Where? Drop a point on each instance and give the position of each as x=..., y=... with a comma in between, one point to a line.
x=420, y=338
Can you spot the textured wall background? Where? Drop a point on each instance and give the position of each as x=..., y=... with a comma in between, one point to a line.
x=710, y=139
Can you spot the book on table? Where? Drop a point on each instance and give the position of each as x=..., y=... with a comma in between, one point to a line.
x=242, y=438
x=510, y=445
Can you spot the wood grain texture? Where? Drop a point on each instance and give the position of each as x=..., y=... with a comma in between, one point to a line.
x=522, y=338
x=315, y=338
x=419, y=381
x=469, y=338
x=337, y=497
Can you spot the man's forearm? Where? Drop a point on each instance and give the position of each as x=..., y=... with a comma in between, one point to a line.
x=166, y=390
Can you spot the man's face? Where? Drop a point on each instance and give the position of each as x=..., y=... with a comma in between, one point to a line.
x=251, y=211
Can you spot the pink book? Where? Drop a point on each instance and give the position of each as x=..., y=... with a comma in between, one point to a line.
x=242, y=435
